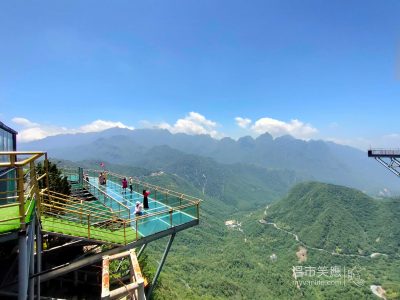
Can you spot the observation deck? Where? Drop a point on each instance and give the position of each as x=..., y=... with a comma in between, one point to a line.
x=389, y=158
x=93, y=213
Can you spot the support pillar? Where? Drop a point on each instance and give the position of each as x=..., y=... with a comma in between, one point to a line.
x=31, y=250
x=80, y=175
x=38, y=257
x=22, y=266
x=141, y=250
x=166, y=251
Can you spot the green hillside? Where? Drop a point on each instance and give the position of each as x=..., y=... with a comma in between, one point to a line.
x=338, y=219
x=211, y=261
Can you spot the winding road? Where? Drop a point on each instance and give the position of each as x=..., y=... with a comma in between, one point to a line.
x=262, y=221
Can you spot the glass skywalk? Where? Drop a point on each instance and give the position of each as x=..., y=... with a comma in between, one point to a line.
x=167, y=209
x=156, y=218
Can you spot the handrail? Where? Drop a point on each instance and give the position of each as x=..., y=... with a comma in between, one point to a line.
x=96, y=191
x=166, y=210
x=157, y=188
x=152, y=186
x=33, y=156
x=95, y=223
x=81, y=208
x=118, y=226
x=26, y=187
x=108, y=196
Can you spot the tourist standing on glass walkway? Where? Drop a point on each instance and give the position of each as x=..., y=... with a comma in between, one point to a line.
x=124, y=184
x=131, y=184
x=145, y=200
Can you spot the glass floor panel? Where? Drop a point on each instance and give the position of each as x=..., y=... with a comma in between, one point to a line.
x=146, y=225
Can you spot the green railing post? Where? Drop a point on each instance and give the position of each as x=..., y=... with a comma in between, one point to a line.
x=46, y=169
x=81, y=214
x=88, y=222
x=170, y=216
x=21, y=196
x=34, y=183
x=136, y=228
x=125, y=232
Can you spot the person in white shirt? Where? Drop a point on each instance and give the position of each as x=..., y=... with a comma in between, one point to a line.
x=131, y=184
x=138, y=208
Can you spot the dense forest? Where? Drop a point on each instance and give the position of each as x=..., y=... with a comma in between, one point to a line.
x=255, y=260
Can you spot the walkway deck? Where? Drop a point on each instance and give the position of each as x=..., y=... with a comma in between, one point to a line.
x=11, y=213
x=119, y=225
x=110, y=218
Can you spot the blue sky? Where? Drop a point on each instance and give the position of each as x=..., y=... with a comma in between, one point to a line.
x=313, y=69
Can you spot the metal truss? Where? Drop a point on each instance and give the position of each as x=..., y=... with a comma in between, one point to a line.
x=390, y=159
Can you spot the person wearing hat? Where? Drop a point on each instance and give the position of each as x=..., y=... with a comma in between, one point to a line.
x=138, y=208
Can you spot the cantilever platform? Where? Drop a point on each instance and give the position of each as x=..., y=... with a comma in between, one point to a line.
x=390, y=159
x=384, y=153
x=101, y=214
x=167, y=209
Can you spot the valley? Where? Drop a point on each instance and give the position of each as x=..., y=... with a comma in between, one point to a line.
x=253, y=221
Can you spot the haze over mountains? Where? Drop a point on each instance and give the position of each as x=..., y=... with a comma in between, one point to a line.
x=236, y=180
x=159, y=149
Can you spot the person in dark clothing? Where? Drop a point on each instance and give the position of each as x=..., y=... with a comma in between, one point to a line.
x=124, y=185
x=145, y=200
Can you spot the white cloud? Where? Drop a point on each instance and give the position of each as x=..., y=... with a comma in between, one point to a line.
x=100, y=125
x=276, y=128
x=193, y=124
x=243, y=122
x=24, y=122
x=30, y=131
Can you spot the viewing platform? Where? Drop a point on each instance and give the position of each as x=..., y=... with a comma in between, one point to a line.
x=93, y=213
x=389, y=158
x=384, y=153
x=111, y=217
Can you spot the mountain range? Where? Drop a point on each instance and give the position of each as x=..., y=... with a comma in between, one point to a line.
x=236, y=180
x=159, y=149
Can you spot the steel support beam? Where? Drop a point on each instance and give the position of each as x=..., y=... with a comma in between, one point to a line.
x=22, y=266
x=160, y=266
x=38, y=257
x=31, y=250
x=68, y=267
x=141, y=250
x=388, y=166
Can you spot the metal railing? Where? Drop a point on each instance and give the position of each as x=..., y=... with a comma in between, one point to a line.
x=19, y=184
x=160, y=194
x=108, y=228
x=117, y=207
x=111, y=223
x=174, y=209
x=384, y=152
